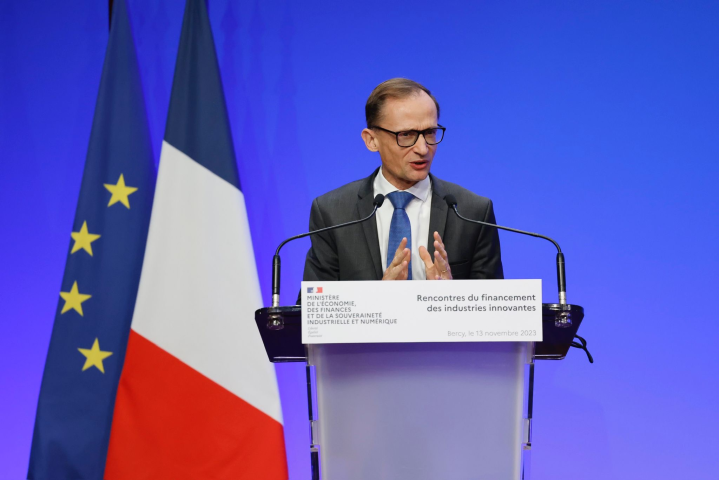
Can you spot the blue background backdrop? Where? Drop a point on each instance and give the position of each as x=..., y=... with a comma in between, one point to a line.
x=596, y=123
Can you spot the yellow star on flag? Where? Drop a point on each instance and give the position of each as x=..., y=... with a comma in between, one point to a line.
x=73, y=299
x=120, y=192
x=94, y=356
x=83, y=240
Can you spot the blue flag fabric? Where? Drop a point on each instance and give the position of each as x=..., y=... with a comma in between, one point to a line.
x=102, y=273
x=197, y=120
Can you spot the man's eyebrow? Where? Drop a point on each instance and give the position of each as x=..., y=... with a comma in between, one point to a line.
x=416, y=129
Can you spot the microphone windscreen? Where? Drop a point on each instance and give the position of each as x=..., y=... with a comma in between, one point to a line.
x=379, y=200
x=451, y=201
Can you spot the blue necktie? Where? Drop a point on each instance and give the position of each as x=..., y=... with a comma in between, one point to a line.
x=400, y=226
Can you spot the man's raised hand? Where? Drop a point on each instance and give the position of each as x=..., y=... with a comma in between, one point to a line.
x=399, y=268
x=437, y=269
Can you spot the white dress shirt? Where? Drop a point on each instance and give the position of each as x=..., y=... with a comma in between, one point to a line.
x=418, y=211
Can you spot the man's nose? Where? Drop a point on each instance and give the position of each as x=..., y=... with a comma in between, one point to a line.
x=421, y=146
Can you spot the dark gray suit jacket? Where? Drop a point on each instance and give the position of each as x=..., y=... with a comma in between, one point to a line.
x=352, y=253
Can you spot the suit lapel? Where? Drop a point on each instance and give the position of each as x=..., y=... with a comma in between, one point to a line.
x=438, y=213
x=365, y=204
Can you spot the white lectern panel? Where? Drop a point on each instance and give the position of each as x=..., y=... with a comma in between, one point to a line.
x=420, y=410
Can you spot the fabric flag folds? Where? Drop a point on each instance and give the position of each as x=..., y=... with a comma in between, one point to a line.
x=102, y=274
x=197, y=398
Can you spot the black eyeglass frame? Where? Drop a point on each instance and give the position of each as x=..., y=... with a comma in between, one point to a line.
x=419, y=132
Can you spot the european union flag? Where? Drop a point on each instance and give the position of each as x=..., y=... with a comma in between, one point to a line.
x=102, y=273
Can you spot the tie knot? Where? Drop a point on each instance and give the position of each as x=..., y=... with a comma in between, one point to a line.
x=400, y=199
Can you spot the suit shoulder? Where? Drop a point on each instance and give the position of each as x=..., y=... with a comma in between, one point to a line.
x=464, y=196
x=342, y=194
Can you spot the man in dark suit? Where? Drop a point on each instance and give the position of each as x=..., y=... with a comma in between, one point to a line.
x=402, y=126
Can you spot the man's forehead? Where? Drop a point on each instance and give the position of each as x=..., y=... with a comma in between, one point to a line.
x=415, y=112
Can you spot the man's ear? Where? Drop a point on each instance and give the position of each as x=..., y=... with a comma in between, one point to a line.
x=370, y=140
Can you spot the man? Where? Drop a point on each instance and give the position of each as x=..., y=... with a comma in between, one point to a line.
x=414, y=235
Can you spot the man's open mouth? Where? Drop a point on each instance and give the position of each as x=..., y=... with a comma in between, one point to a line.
x=418, y=165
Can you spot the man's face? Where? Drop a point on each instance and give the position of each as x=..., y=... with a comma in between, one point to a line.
x=404, y=166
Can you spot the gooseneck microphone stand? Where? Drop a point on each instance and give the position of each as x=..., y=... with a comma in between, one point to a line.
x=563, y=317
x=275, y=316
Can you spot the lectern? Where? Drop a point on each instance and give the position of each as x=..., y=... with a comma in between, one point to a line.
x=419, y=411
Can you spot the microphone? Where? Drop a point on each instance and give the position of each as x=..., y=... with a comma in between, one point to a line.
x=378, y=201
x=561, y=279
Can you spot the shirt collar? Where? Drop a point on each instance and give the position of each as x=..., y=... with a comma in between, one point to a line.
x=420, y=189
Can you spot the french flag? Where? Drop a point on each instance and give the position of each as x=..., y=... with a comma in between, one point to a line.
x=197, y=398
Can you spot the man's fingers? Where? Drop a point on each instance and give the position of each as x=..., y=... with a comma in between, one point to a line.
x=402, y=245
x=398, y=271
x=404, y=269
x=437, y=238
x=400, y=253
x=439, y=245
x=426, y=258
x=434, y=268
x=442, y=267
x=441, y=258
x=440, y=263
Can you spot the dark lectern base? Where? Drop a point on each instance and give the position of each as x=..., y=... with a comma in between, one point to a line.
x=281, y=332
x=557, y=339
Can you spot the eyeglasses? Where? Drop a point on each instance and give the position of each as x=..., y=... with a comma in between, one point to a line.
x=408, y=138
